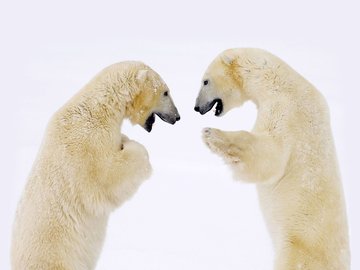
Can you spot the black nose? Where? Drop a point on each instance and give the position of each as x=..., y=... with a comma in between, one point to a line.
x=197, y=108
x=178, y=118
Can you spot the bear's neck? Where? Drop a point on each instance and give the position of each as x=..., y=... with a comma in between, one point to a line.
x=272, y=103
x=100, y=104
x=269, y=84
x=271, y=116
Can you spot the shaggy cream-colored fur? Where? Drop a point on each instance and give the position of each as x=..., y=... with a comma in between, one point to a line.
x=289, y=154
x=86, y=168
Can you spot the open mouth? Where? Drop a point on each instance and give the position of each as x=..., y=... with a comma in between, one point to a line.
x=149, y=122
x=165, y=117
x=218, y=109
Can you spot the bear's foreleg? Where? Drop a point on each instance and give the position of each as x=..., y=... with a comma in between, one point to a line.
x=255, y=158
x=122, y=173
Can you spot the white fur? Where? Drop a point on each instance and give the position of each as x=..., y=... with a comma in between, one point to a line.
x=289, y=154
x=84, y=170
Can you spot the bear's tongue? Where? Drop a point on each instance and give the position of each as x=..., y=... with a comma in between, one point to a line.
x=149, y=122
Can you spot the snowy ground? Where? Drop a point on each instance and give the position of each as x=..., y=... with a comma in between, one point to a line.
x=190, y=214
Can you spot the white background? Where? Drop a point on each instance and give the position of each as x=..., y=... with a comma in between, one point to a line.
x=190, y=214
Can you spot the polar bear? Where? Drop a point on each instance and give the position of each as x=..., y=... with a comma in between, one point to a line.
x=86, y=168
x=289, y=154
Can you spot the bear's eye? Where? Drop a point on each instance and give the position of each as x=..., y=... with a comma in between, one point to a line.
x=206, y=82
x=166, y=93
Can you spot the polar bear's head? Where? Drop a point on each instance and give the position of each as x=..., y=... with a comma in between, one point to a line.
x=221, y=85
x=152, y=98
x=235, y=76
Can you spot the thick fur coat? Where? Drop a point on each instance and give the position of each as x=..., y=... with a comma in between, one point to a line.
x=289, y=155
x=86, y=168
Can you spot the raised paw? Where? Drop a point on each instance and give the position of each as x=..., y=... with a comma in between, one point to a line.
x=207, y=131
x=134, y=148
x=232, y=146
x=215, y=139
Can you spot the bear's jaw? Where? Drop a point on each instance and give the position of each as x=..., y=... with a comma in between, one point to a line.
x=209, y=105
x=165, y=117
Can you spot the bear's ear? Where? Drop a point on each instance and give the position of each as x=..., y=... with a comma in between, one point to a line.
x=227, y=59
x=141, y=75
